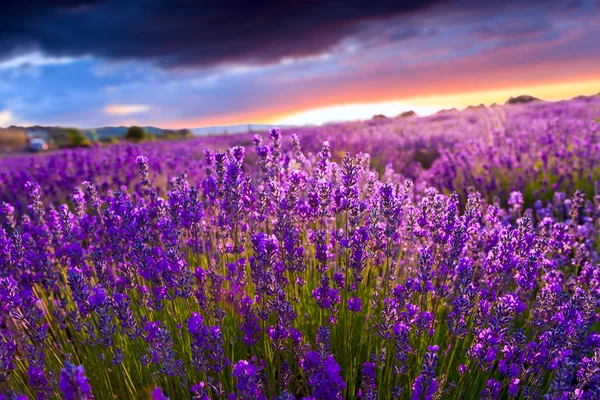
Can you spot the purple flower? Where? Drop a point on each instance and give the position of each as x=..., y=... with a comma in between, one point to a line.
x=425, y=385
x=513, y=387
x=275, y=134
x=250, y=324
x=157, y=394
x=324, y=376
x=98, y=297
x=248, y=378
x=369, y=386
x=74, y=384
x=492, y=390
x=326, y=296
x=37, y=378
x=354, y=304
x=13, y=396
x=200, y=391
x=196, y=324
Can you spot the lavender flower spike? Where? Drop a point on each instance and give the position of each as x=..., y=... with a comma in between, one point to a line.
x=74, y=384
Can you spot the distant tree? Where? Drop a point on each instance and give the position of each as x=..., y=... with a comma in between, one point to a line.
x=12, y=139
x=524, y=98
x=136, y=133
x=185, y=133
x=76, y=138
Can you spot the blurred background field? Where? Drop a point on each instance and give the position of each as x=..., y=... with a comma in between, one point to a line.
x=535, y=147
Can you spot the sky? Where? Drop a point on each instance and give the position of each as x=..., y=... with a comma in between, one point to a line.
x=194, y=63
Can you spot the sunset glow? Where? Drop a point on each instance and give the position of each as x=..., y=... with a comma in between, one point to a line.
x=431, y=104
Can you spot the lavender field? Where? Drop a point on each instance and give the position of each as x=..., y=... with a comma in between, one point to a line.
x=454, y=256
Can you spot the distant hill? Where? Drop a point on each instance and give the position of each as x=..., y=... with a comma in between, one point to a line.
x=230, y=129
x=16, y=137
x=476, y=107
x=106, y=132
x=447, y=110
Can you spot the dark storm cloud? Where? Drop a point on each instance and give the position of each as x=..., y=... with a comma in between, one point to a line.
x=191, y=33
x=188, y=32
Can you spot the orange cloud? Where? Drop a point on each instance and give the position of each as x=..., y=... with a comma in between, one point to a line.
x=122, y=109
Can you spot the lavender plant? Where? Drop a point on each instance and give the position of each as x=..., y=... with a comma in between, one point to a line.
x=278, y=274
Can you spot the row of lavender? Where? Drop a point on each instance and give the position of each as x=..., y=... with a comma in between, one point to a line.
x=294, y=276
x=535, y=148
